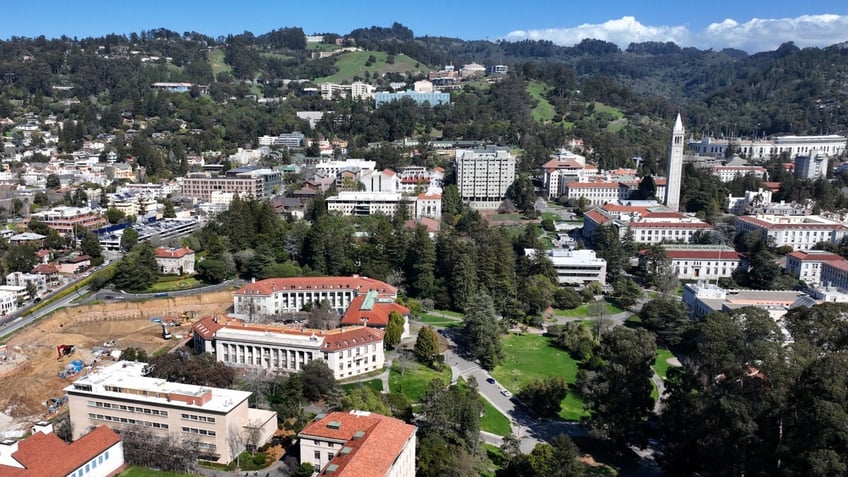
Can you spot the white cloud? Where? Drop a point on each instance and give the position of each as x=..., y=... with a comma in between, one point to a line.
x=752, y=36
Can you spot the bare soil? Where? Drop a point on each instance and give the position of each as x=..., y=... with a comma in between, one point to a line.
x=29, y=374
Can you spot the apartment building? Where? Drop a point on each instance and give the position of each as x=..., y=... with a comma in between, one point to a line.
x=349, y=351
x=67, y=220
x=799, y=232
x=358, y=444
x=255, y=183
x=20, y=279
x=355, y=90
x=276, y=296
x=484, y=175
x=121, y=395
x=291, y=140
x=432, y=99
x=811, y=166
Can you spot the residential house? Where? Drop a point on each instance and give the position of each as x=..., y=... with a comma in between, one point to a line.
x=175, y=261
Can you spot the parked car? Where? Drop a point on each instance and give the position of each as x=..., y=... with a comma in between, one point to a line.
x=490, y=380
x=506, y=393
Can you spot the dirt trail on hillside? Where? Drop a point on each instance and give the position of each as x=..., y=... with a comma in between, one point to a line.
x=29, y=366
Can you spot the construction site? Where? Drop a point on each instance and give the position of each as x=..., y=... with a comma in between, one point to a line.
x=40, y=360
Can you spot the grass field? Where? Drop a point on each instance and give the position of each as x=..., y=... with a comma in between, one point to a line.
x=582, y=311
x=143, y=472
x=612, y=111
x=216, y=61
x=353, y=64
x=174, y=285
x=544, y=111
x=493, y=421
x=552, y=216
x=661, y=364
x=414, y=380
x=439, y=321
x=375, y=384
x=531, y=357
x=454, y=314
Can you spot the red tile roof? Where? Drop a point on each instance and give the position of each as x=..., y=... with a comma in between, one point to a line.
x=790, y=226
x=432, y=225
x=373, y=454
x=357, y=283
x=206, y=327
x=670, y=225
x=45, y=455
x=45, y=269
x=430, y=196
x=162, y=252
x=660, y=181
x=377, y=316
x=590, y=185
x=843, y=265
x=596, y=217
x=704, y=255
x=334, y=340
x=805, y=256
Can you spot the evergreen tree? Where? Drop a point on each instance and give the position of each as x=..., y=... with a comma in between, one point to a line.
x=427, y=345
x=481, y=332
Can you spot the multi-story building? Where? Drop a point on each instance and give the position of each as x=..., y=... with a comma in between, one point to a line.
x=811, y=166
x=649, y=223
x=371, y=310
x=704, y=262
x=355, y=90
x=750, y=201
x=332, y=168
x=798, y=232
x=359, y=443
x=291, y=140
x=162, y=229
x=704, y=299
x=484, y=175
x=348, y=351
x=121, y=395
x=575, y=267
x=564, y=168
x=67, y=220
x=380, y=181
x=370, y=203
x=175, y=261
x=806, y=265
x=792, y=146
x=834, y=274
x=100, y=453
x=428, y=205
x=597, y=193
x=728, y=173
x=255, y=183
x=276, y=296
x=433, y=99
x=20, y=279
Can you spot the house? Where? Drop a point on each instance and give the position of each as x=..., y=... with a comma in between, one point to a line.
x=73, y=264
x=24, y=279
x=175, y=261
x=371, y=311
x=100, y=453
x=359, y=444
x=122, y=395
x=28, y=238
x=50, y=273
x=349, y=351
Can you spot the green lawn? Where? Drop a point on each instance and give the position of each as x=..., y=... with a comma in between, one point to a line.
x=353, y=64
x=493, y=421
x=504, y=217
x=661, y=364
x=454, y=314
x=144, y=472
x=612, y=111
x=375, y=384
x=543, y=111
x=169, y=284
x=552, y=216
x=415, y=379
x=216, y=61
x=497, y=458
x=582, y=311
x=440, y=321
x=531, y=357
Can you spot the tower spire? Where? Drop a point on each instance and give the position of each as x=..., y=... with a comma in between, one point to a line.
x=675, y=165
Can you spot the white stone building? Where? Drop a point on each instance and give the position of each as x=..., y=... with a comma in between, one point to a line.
x=798, y=232
x=806, y=265
x=175, y=261
x=484, y=175
x=705, y=262
x=575, y=267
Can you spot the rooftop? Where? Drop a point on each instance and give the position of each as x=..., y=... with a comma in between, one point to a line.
x=46, y=455
x=356, y=283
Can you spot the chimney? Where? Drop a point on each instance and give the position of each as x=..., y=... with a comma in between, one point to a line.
x=43, y=427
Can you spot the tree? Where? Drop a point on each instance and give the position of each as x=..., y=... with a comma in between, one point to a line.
x=31, y=289
x=394, y=330
x=427, y=346
x=363, y=398
x=560, y=458
x=323, y=316
x=626, y=292
x=90, y=245
x=522, y=194
x=545, y=397
x=619, y=394
x=168, y=211
x=607, y=244
x=53, y=182
x=114, y=215
x=538, y=294
x=481, y=332
x=667, y=318
x=318, y=379
x=138, y=270
x=566, y=298
x=129, y=239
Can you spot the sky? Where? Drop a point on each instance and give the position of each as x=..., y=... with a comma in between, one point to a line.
x=750, y=25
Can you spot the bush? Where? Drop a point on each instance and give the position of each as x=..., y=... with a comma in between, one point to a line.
x=260, y=458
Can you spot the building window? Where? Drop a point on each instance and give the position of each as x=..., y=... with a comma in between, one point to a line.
x=318, y=456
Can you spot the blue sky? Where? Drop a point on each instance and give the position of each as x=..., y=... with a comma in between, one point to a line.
x=751, y=25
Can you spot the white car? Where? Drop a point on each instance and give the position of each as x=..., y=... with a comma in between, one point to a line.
x=506, y=393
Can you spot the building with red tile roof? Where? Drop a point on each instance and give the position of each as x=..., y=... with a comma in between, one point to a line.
x=348, y=351
x=370, y=311
x=807, y=265
x=704, y=262
x=798, y=232
x=648, y=221
x=276, y=296
x=100, y=453
x=359, y=444
x=175, y=261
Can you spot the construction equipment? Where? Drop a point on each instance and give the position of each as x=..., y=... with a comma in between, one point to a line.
x=166, y=334
x=65, y=350
x=187, y=316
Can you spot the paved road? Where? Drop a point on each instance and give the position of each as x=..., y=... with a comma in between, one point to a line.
x=16, y=322
x=107, y=295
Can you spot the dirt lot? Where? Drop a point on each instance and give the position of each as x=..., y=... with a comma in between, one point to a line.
x=29, y=374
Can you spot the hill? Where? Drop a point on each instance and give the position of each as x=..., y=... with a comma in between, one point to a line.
x=356, y=64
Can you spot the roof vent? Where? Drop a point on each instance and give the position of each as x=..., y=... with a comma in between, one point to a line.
x=346, y=450
x=334, y=425
x=358, y=435
x=320, y=416
x=331, y=468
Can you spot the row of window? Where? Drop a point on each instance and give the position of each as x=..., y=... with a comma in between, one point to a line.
x=202, y=432
x=125, y=420
x=91, y=465
x=122, y=407
x=195, y=417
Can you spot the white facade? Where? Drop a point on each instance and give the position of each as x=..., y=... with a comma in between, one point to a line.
x=19, y=279
x=703, y=299
x=369, y=203
x=705, y=262
x=380, y=181
x=813, y=166
x=807, y=265
x=356, y=90
x=332, y=168
x=575, y=267
x=428, y=205
x=121, y=395
x=798, y=232
x=793, y=146
x=675, y=165
x=484, y=175
x=728, y=173
x=835, y=274
x=597, y=193
x=758, y=198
